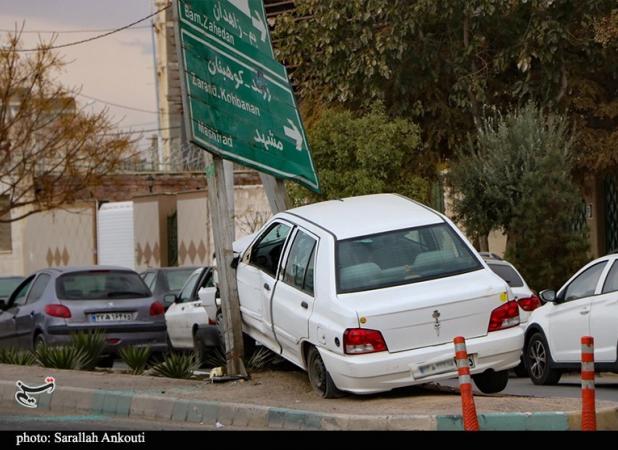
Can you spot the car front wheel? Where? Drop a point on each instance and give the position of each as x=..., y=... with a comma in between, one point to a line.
x=490, y=382
x=537, y=358
x=319, y=377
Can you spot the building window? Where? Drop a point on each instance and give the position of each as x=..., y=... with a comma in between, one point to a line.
x=5, y=229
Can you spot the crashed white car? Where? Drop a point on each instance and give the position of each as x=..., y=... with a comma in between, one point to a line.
x=367, y=294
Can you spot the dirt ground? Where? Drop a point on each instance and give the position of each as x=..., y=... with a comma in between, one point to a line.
x=291, y=389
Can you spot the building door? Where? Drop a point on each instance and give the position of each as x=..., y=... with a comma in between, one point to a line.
x=611, y=213
x=172, y=240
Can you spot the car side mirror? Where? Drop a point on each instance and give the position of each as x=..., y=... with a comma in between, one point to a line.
x=169, y=300
x=3, y=305
x=235, y=261
x=549, y=296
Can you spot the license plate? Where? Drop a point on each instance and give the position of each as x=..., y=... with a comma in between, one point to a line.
x=448, y=365
x=111, y=317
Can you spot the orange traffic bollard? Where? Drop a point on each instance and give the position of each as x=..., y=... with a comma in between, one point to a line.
x=470, y=419
x=589, y=415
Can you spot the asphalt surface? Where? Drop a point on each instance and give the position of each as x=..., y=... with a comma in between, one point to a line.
x=569, y=387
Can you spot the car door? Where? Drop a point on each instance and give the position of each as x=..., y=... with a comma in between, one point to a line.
x=174, y=317
x=27, y=314
x=8, y=326
x=194, y=313
x=604, y=318
x=256, y=274
x=569, y=319
x=293, y=296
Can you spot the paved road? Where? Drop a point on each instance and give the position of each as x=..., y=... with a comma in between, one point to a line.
x=569, y=387
x=17, y=418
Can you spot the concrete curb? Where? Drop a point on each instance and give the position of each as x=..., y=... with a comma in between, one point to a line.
x=144, y=406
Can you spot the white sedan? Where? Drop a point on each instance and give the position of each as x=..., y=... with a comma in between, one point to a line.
x=191, y=321
x=367, y=294
x=587, y=305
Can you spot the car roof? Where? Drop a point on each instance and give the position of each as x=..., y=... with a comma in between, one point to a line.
x=74, y=269
x=366, y=215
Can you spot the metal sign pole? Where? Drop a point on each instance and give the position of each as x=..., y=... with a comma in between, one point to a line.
x=223, y=231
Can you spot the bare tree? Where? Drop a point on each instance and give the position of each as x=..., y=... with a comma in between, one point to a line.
x=51, y=151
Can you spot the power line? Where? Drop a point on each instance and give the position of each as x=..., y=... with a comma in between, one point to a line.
x=99, y=30
x=93, y=38
x=117, y=105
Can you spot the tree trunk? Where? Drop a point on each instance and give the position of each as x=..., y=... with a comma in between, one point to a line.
x=484, y=243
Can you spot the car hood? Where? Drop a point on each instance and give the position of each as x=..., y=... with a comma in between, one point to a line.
x=241, y=244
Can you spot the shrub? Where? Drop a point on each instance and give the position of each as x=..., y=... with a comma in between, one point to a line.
x=90, y=345
x=16, y=357
x=136, y=358
x=61, y=357
x=177, y=365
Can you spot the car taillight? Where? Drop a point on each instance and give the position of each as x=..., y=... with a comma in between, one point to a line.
x=58, y=311
x=157, y=309
x=530, y=303
x=358, y=341
x=506, y=316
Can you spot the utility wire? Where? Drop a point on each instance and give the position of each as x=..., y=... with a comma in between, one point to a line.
x=99, y=30
x=93, y=38
x=131, y=108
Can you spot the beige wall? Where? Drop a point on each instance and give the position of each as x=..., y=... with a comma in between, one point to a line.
x=12, y=261
x=195, y=239
x=63, y=237
x=150, y=215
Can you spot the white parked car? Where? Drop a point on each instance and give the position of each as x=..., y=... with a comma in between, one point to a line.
x=191, y=319
x=587, y=305
x=525, y=297
x=367, y=294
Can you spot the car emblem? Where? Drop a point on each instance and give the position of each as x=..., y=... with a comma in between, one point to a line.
x=110, y=304
x=436, y=317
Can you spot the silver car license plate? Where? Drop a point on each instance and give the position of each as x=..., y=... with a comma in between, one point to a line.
x=111, y=317
x=448, y=365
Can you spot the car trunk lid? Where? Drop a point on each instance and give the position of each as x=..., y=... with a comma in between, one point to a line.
x=432, y=312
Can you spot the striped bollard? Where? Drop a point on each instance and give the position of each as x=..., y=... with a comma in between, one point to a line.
x=589, y=415
x=470, y=419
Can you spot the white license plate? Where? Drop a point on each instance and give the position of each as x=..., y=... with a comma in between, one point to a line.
x=448, y=365
x=111, y=317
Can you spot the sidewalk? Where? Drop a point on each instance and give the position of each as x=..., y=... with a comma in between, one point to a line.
x=284, y=400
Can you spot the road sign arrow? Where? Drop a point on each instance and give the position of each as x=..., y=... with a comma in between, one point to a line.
x=259, y=24
x=294, y=133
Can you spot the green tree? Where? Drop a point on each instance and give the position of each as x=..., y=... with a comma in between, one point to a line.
x=367, y=154
x=439, y=62
x=515, y=176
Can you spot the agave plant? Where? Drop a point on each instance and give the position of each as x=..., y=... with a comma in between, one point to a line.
x=177, y=365
x=90, y=345
x=136, y=358
x=16, y=357
x=261, y=358
x=61, y=357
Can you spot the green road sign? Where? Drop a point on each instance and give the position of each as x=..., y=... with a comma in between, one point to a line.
x=241, y=104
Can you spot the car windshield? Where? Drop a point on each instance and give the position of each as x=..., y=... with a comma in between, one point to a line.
x=175, y=279
x=402, y=257
x=508, y=274
x=8, y=285
x=101, y=285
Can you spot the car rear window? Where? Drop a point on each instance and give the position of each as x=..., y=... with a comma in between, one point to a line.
x=175, y=279
x=508, y=274
x=98, y=285
x=402, y=257
x=8, y=285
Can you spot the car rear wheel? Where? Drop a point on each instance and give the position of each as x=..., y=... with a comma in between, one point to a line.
x=39, y=339
x=319, y=377
x=490, y=382
x=537, y=359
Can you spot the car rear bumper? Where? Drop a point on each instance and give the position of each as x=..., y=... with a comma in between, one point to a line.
x=116, y=336
x=379, y=372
